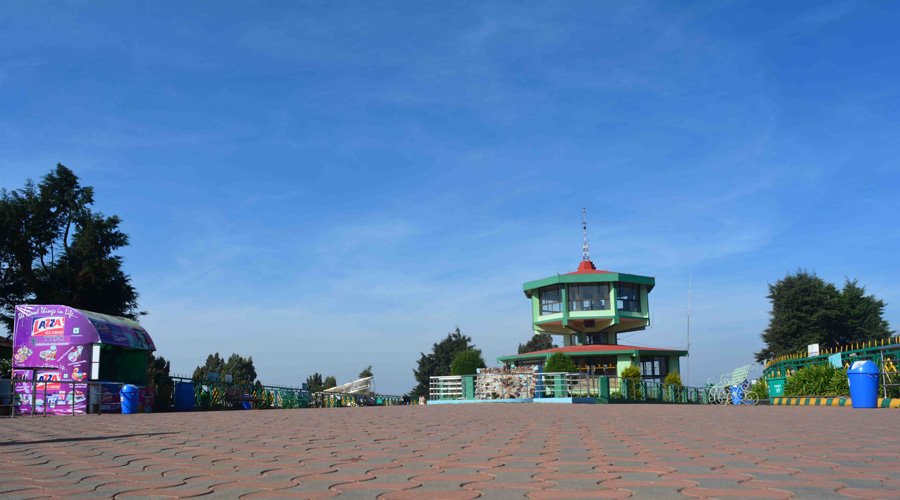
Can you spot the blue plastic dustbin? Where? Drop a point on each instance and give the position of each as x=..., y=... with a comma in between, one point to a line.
x=863, y=378
x=184, y=396
x=129, y=395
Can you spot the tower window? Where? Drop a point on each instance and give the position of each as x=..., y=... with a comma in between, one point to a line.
x=551, y=299
x=628, y=297
x=588, y=297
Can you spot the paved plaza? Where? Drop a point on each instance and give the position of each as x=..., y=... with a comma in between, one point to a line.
x=465, y=451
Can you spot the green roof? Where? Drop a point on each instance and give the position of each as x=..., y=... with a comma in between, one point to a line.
x=589, y=278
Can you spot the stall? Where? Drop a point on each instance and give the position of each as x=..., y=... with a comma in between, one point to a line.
x=68, y=360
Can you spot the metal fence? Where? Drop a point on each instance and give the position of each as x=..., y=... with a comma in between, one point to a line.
x=530, y=385
x=447, y=387
x=216, y=395
x=643, y=390
x=57, y=397
x=885, y=353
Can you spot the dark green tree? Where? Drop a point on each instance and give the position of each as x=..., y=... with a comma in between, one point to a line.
x=55, y=250
x=538, y=342
x=314, y=382
x=863, y=315
x=241, y=369
x=214, y=364
x=807, y=310
x=559, y=363
x=466, y=362
x=159, y=381
x=437, y=362
x=330, y=382
x=367, y=372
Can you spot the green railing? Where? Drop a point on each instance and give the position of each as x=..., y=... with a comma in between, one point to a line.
x=337, y=400
x=885, y=353
x=218, y=395
x=632, y=390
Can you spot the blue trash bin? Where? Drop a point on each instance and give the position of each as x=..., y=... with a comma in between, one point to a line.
x=184, y=396
x=863, y=378
x=129, y=396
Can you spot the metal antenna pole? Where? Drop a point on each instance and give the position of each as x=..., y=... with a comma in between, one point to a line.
x=585, y=255
x=687, y=370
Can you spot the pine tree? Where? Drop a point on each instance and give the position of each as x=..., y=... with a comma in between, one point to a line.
x=539, y=342
x=807, y=310
x=437, y=363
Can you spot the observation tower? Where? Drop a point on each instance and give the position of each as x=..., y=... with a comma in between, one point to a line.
x=585, y=311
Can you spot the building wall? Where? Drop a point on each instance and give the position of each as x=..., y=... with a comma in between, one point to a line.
x=675, y=364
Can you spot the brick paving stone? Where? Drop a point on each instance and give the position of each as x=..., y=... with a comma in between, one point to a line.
x=496, y=451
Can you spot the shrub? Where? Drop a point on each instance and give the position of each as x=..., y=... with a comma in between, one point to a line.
x=559, y=363
x=673, y=378
x=817, y=380
x=466, y=362
x=631, y=377
x=760, y=389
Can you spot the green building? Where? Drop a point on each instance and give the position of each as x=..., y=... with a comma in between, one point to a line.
x=585, y=311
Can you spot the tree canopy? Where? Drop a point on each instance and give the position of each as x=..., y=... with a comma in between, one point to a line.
x=367, y=372
x=808, y=310
x=330, y=382
x=314, y=382
x=437, y=362
x=240, y=368
x=466, y=362
x=159, y=380
x=559, y=363
x=537, y=342
x=55, y=250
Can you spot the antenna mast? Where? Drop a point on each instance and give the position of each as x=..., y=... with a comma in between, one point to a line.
x=585, y=255
x=687, y=361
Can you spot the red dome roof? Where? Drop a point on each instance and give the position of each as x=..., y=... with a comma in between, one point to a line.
x=588, y=267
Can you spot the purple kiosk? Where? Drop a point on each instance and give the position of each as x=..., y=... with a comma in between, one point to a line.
x=68, y=360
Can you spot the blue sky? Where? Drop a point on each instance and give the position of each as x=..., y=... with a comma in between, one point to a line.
x=329, y=185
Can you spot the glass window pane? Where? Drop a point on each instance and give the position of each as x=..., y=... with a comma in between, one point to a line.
x=589, y=297
x=551, y=300
x=628, y=297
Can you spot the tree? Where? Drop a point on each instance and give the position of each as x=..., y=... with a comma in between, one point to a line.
x=466, y=362
x=159, y=381
x=863, y=315
x=55, y=250
x=559, y=363
x=214, y=364
x=437, y=363
x=367, y=372
x=673, y=378
x=631, y=382
x=314, y=382
x=807, y=310
x=240, y=368
x=539, y=342
x=330, y=382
